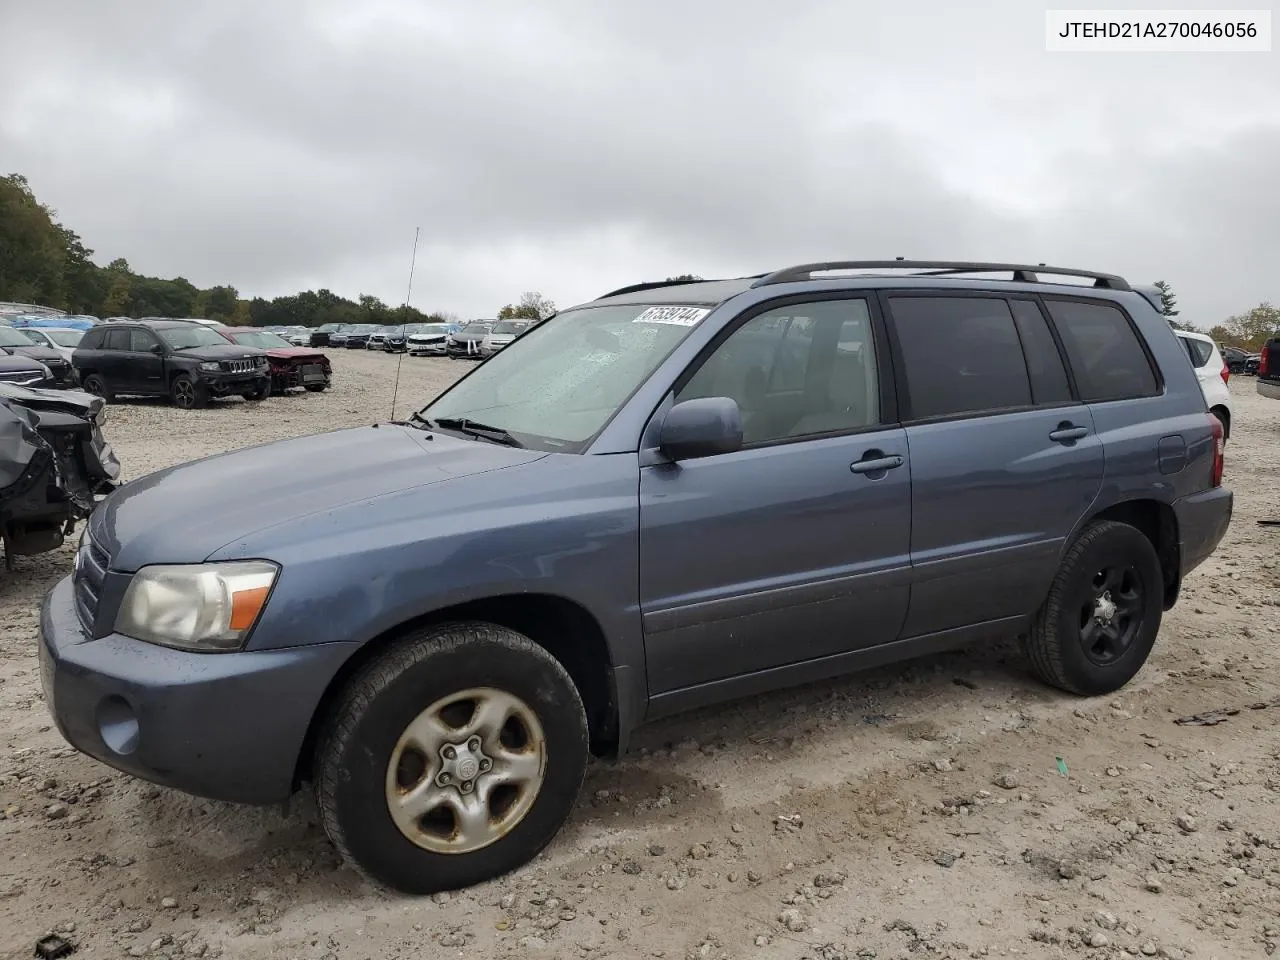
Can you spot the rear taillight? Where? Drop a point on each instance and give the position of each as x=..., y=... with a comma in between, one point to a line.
x=1219, y=451
x=1264, y=362
x=1226, y=372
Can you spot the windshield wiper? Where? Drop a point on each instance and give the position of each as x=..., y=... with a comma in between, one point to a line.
x=474, y=429
x=419, y=419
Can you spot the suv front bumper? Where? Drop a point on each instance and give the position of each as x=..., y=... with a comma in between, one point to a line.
x=227, y=726
x=220, y=384
x=1269, y=389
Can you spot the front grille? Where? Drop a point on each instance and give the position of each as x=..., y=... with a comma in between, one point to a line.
x=21, y=376
x=86, y=582
x=239, y=366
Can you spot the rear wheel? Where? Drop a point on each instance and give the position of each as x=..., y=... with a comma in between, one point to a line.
x=94, y=384
x=1097, y=628
x=1225, y=419
x=317, y=387
x=452, y=758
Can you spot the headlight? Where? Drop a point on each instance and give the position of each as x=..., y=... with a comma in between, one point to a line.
x=261, y=362
x=209, y=607
x=211, y=365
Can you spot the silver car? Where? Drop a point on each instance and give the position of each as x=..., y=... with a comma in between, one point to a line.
x=61, y=339
x=501, y=334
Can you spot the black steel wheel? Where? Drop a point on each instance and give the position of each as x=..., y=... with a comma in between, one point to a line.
x=1100, y=620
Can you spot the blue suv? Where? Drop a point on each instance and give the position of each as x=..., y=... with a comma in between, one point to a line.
x=677, y=494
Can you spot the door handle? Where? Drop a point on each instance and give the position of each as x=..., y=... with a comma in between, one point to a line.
x=877, y=464
x=1067, y=432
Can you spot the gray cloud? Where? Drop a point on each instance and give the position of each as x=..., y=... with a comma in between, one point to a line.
x=572, y=147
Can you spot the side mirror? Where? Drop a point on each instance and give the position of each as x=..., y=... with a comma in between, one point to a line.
x=701, y=428
x=156, y=348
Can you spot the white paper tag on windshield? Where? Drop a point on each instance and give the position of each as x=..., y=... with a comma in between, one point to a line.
x=680, y=316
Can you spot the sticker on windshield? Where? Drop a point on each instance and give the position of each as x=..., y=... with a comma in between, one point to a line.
x=680, y=316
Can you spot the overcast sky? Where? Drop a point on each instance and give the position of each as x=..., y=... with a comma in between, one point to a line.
x=573, y=146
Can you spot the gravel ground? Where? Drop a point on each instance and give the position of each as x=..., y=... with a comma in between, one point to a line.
x=947, y=808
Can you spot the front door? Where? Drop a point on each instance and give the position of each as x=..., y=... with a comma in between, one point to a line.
x=146, y=366
x=1004, y=461
x=795, y=547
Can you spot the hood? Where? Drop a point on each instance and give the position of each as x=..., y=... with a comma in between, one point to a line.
x=12, y=362
x=185, y=513
x=64, y=401
x=230, y=351
x=36, y=352
x=295, y=353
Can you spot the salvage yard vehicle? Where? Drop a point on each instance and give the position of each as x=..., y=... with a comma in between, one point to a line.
x=430, y=339
x=674, y=495
x=1213, y=373
x=15, y=343
x=469, y=341
x=62, y=340
x=54, y=466
x=321, y=335
x=1269, y=370
x=189, y=363
x=291, y=367
x=356, y=337
x=501, y=334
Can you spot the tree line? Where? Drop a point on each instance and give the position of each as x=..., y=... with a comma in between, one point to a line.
x=43, y=262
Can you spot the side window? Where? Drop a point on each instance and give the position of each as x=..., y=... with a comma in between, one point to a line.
x=116, y=340
x=1044, y=363
x=1105, y=353
x=961, y=354
x=140, y=341
x=796, y=371
x=1199, y=351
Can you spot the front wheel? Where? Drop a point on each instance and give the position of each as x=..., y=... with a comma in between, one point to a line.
x=452, y=758
x=186, y=393
x=94, y=384
x=1097, y=628
x=317, y=387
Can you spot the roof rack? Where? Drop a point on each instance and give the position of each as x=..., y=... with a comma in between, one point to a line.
x=657, y=284
x=1022, y=273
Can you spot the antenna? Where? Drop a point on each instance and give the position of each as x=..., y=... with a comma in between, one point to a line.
x=413, y=262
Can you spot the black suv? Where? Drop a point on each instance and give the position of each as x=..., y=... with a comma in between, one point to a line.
x=188, y=362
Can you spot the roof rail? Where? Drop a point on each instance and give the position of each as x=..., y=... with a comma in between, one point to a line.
x=657, y=284
x=1022, y=273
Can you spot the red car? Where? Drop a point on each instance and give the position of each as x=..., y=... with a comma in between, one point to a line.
x=290, y=366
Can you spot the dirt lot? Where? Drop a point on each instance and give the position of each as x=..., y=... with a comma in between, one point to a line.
x=946, y=808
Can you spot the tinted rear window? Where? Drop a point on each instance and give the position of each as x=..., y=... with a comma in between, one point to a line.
x=1106, y=356
x=962, y=355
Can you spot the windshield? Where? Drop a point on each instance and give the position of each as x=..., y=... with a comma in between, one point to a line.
x=507, y=327
x=565, y=379
x=64, y=338
x=474, y=330
x=429, y=328
x=261, y=338
x=10, y=337
x=184, y=338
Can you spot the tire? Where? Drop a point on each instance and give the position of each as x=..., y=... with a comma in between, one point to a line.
x=317, y=387
x=356, y=783
x=186, y=393
x=1060, y=651
x=94, y=384
x=261, y=393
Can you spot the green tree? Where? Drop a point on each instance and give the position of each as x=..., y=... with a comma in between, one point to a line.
x=32, y=248
x=1168, y=302
x=532, y=306
x=1252, y=329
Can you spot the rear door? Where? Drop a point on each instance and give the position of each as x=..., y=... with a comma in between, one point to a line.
x=795, y=547
x=1004, y=459
x=111, y=361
